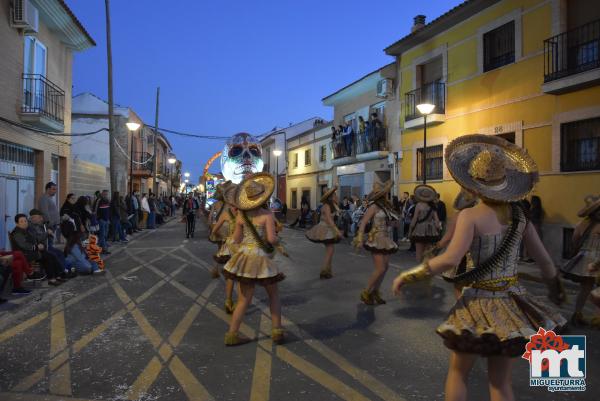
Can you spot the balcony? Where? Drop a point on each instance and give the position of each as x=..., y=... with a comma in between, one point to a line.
x=433, y=93
x=43, y=103
x=142, y=164
x=572, y=59
x=370, y=145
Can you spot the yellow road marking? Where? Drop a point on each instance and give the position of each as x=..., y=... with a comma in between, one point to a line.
x=96, y=331
x=188, y=382
x=30, y=380
x=261, y=374
x=320, y=376
x=36, y=397
x=145, y=379
x=13, y=331
x=60, y=380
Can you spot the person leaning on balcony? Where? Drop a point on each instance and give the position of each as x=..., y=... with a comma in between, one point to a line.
x=145, y=211
x=348, y=135
x=376, y=132
x=362, y=134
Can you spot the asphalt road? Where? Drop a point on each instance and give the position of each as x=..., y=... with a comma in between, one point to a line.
x=152, y=329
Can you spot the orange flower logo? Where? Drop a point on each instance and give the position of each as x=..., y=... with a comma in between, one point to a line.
x=542, y=341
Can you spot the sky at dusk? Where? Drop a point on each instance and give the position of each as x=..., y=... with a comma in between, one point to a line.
x=230, y=66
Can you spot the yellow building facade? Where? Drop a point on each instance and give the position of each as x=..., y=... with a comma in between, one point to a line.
x=527, y=70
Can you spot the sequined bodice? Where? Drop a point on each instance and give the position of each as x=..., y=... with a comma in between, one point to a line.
x=380, y=221
x=249, y=240
x=485, y=246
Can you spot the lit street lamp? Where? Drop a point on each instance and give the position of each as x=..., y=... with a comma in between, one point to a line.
x=425, y=109
x=171, y=161
x=132, y=127
x=277, y=153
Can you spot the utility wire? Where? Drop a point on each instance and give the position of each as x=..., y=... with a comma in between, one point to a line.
x=41, y=131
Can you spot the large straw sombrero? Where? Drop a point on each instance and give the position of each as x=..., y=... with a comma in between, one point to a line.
x=464, y=200
x=254, y=191
x=328, y=193
x=229, y=192
x=425, y=193
x=592, y=203
x=380, y=190
x=491, y=167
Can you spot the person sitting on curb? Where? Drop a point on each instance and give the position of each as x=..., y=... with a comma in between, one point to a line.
x=21, y=268
x=42, y=235
x=25, y=242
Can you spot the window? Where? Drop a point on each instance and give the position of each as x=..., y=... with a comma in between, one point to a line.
x=307, y=157
x=267, y=165
x=294, y=199
x=34, y=61
x=379, y=108
x=323, y=189
x=306, y=196
x=580, y=145
x=499, y=46
x=296, y=160
x=434, y=164
x=323, y=153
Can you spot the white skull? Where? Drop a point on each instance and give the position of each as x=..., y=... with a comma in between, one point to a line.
x=241, y=156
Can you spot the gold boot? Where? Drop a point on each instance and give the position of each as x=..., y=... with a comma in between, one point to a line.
x=326, y=272
x=366, y=297
x=377, y=298
x=233, y=339
x=277, y=335
x=229, y=306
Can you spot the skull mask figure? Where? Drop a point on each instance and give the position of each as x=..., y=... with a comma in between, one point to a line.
x=241, y=156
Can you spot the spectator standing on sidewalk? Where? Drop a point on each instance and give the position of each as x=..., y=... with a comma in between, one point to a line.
x=103, y=213
x=145, y=211
x=152, y=215
x=115, y=218
x=441, y=212
x=49, y=207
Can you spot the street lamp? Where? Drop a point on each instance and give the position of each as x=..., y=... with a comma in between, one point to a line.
x=132, y=127
x=425, y=109
x=277, y=153
x=171, y=161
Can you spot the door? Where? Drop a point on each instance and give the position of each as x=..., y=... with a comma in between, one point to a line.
x=34, y=69
x=8, y=208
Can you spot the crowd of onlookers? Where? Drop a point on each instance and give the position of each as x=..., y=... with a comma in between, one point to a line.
x=368, y=136
x=56, y=244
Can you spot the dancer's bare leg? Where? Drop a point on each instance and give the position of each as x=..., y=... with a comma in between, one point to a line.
x=458, y=376
x=379, y=269
x=500, y=382
x=244, y=299
x=275, y=305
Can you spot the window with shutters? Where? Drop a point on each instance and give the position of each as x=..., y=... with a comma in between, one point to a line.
x=434, y=164
x=580, y=145
x=499, y=47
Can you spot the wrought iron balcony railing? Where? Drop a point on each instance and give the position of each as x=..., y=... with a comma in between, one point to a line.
x=433, y=93
x=572, y=52
x=143, y=162
x=42, y=97
x=373, y=139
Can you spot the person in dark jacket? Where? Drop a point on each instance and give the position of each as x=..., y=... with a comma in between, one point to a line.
x=42, y=234
x=103, y=213
x=441, y=211
x=25, y=242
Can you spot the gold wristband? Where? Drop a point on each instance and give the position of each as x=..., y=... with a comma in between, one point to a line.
x=419, y=273
x=358, y=240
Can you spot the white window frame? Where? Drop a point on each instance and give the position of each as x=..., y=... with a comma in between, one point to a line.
x=34, y=42
x=515, y=16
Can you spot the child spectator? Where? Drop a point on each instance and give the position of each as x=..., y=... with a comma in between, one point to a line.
x=77, y=256
x=93, y=251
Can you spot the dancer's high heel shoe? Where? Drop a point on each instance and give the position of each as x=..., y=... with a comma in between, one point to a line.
x=377, y=298
x=366, y=297
x=277, y=335
x=233, y=339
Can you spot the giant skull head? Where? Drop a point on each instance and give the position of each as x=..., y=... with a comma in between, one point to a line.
x=241, y=156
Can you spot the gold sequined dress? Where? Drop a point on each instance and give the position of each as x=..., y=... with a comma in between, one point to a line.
x=378, y=239
x=229, y=246
x=219, y=236
x=250, y=263
x=576, y=269
x=323, y=233
x=494, y=315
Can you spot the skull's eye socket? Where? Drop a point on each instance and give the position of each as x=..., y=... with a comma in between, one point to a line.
x=236, y=150
x=255, y=151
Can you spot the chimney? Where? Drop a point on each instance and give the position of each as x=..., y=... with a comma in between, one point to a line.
x=419, y=22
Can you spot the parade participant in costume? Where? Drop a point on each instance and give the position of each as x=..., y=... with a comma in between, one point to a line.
x=326, y=231
x=252, y=262
x=228, y=247
x=595, y=294
x=425, y=226
x=494, y=317
x=586, y=247
x=217, y=237
x=378, y=242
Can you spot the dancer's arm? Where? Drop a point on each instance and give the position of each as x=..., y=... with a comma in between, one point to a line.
x=535, y=248
x=215, y=228
x=238, y=233
x=270, y=229
x=358, y=239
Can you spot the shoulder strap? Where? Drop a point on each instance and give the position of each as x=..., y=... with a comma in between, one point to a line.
x=265, y=246
x=426, y=216
x=510, y=240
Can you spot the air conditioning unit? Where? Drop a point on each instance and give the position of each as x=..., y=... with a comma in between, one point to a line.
x=25, y=16
x=385, y=88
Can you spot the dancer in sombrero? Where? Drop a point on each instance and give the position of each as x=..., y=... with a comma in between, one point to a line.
x=217, y=237
x=228, y=246
x=378, y=242
x=586, y=247
x=252, y=262
x=326, y=232
x=494, y=316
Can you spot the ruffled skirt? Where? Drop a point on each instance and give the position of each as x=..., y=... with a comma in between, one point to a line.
x=322, y=233
x=380, y=242
x=576, y=269
x=498, y=323
x=252, y=265
x=425, y=232
x=224, y=253
x=219, y=236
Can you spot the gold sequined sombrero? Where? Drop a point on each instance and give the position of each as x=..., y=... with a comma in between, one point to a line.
x=592, y=203
x=464, y=200
x=425, y=193
x=254, y=191
x=328, y=193
x=491, y=167
x=380, y=190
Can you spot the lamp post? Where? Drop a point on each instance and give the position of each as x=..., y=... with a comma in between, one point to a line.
x=132, y=127
x=277, y=153
x=425, y=109
x=171, y=161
